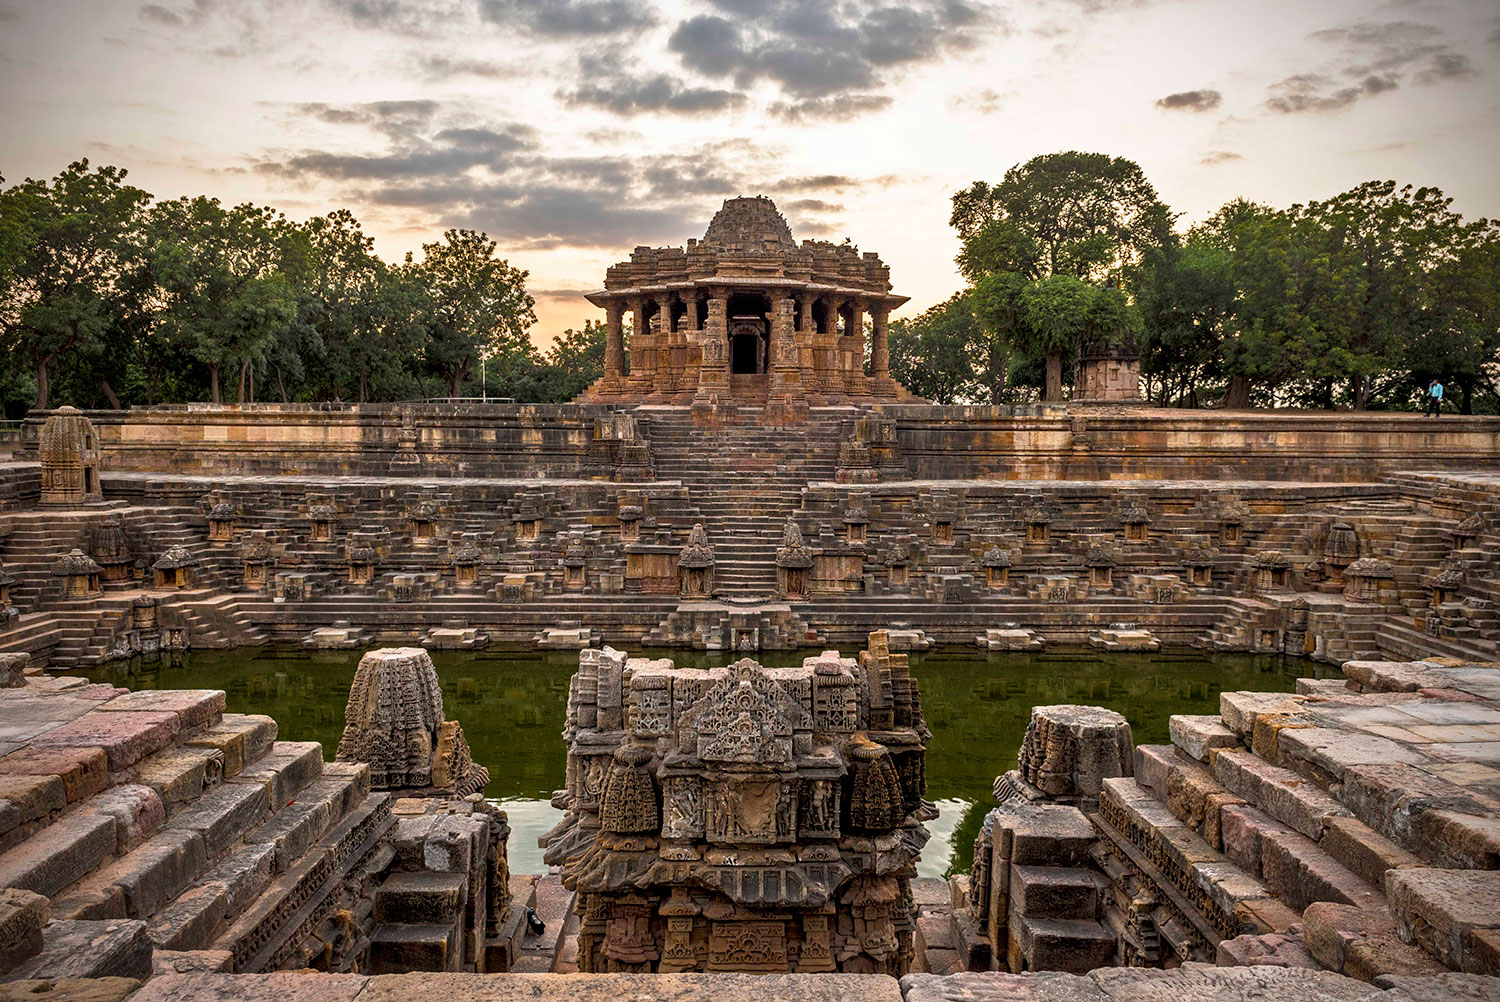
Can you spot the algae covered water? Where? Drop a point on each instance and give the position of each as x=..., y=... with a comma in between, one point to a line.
x=512, y=706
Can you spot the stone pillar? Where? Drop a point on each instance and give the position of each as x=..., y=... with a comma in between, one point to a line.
x=784, y=401
x=852, y=350
x=713, y=371
x=880, y=349
x=614, y=342
x=641, y=345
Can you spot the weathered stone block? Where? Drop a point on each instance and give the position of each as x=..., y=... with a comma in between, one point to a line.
x=223, y=814
x=31, y=797
x=992, y=986
x=1300, y=873
x=22, y=916
x=1289, y=798
x=71, y=848
x=1060, y=945
x=180, y=774
x=1044, y=834
x=137, y=810
x=112, y=948
x=241, y=738
x=1366, y=853
x=1053, y=892
x=83, y=771
x=1446, y=912
x=1238, y=710
x=396, y=949
x=1362, y=943
x=125, y=737
x=421, y=898
x=198, y=709
x=1243, y=828
x=285, y=771
x=1196, y=735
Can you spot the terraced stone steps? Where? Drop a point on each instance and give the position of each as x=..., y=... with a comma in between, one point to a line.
x=155, y=818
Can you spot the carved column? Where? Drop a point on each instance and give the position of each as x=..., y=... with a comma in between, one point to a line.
x=786, y=374
x=614, y=342
x=641, y=347
x=852, y=349
x=713, y=373
x=880, y=349
x=666, y=376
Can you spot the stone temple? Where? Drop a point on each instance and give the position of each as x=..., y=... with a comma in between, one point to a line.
x=745, y=315
x=746, y=484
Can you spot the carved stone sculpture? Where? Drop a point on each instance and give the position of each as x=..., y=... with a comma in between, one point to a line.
x=394, y=721
x=744, y=818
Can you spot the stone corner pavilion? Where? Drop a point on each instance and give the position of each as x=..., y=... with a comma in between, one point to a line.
x=746, y=316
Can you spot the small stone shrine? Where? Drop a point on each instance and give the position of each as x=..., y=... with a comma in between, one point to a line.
x=744, y=818
x=69, y=452
x=394, y=721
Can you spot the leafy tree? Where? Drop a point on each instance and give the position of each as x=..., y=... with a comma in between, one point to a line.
x=1035, y=244
x=1088, y=215
x=573, y=362
x=66, y=260
x=1187, y=299
x=478, y=305
x=228, y=281
x=935, y=353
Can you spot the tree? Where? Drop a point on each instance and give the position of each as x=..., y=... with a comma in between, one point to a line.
x=934, y=353
x=344, y=293
x=1187, y=299
x=228, y=280
x=66, y=261
x=479, y=305
x=573, y=362
x=1088, y=215
x=1035, y=245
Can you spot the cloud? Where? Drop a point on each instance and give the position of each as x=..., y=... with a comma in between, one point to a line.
x=439, y=65
x=569, y=18
x=986, y=101
x=1191, y=100
x=1306, y=92
x=499, y=177
x=610, y=86
x=814, y=52
x=835, y=107
x=1372, y=58
x=812, y=205
x=1215, y=157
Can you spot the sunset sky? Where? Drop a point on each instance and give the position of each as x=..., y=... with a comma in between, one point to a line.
x=574, y=130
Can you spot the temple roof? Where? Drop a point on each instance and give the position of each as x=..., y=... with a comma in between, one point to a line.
x=749, y=224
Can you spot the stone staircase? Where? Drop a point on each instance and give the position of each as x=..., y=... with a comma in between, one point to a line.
x=158, y=824
x=1286, y=829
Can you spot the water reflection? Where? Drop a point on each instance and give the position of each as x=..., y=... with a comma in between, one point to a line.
x=512, y=707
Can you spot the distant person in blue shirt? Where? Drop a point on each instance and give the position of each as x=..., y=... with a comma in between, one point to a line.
x=1434, y=399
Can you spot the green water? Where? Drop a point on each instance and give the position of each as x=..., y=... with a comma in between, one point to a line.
x=512, y=707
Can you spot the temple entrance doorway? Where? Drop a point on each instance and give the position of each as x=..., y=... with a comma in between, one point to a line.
x=745, y=353
x=749, y=333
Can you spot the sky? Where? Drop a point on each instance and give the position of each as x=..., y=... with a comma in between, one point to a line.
x=574, y=130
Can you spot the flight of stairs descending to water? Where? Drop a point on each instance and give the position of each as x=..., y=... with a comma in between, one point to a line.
x=744, y=479
x=1294, y=829
x=157, y=824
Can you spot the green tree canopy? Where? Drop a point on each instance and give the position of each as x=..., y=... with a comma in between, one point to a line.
x=478, y=304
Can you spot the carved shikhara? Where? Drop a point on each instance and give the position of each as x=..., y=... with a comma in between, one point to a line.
x=394, y=721
x=744, y=818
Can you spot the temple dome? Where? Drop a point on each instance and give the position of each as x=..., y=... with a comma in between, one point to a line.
x=749, y=225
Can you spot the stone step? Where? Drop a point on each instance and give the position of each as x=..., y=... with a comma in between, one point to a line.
x=421, y=898
x=1076, y=947
x=397, y=949
x=107, y=948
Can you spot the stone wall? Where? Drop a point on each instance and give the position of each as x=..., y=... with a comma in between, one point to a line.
x=940, y=443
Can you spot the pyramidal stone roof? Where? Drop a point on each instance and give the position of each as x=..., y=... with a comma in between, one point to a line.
x=749, y=225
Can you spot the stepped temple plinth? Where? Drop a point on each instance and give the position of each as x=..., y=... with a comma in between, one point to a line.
x=747, y=316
